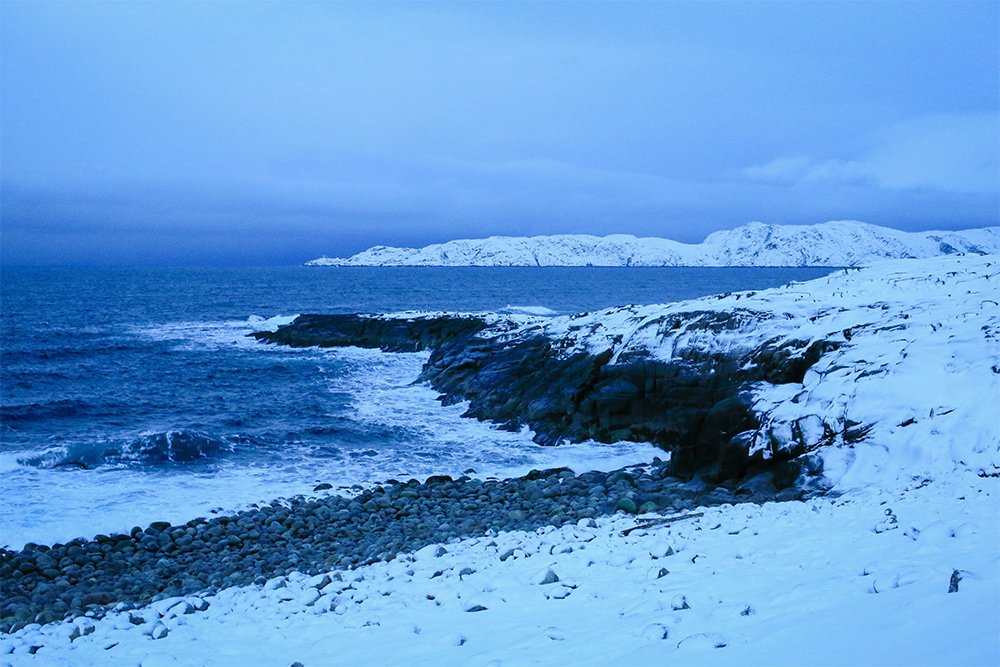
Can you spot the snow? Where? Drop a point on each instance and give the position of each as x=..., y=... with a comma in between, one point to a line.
x=918, y=362
x=860, y=576
x=804, y=583
x=836, y=243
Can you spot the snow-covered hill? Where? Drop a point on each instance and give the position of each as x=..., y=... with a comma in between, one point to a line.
x=839, y=243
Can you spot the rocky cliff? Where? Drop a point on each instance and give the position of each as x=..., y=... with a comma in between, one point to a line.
x=697, y=406
x=874, y=373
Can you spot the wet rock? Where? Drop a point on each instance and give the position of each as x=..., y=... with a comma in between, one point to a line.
x=762, y=483
x=101, y=598
x=648, y=506
x=391, y=335
x=626, y=505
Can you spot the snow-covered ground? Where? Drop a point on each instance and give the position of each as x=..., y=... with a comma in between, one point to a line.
x=808, y=583
x=917, y=364
x=836, y=243
x=858, y=577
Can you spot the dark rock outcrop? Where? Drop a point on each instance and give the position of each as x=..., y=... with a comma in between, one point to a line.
x=390, y=335
x=696, y=405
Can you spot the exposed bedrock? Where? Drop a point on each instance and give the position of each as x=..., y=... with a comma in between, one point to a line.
x=697, y=405
x=391, y=335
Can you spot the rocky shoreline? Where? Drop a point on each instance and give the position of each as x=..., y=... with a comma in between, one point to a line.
x=695, y=405
x=43, y=584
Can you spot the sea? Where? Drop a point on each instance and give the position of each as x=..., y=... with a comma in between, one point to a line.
x=132, y=395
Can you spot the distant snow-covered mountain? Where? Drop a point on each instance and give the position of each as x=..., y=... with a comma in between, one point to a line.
x=838, y=243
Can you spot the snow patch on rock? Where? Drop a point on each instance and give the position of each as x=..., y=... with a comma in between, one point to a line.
x=909, y=385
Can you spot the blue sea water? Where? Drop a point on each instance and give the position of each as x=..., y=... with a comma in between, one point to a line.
x=134, y=395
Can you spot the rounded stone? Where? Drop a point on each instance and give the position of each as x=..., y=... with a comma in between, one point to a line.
x=648, y=506
x=626, y=505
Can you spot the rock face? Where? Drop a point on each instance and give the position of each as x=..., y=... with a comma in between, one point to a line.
x=695, y=406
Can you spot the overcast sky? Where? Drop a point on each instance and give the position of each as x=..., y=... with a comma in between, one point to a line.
x=256, y=133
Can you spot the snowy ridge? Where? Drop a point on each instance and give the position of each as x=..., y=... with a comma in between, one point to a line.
x=838, y=243
x=916, y=370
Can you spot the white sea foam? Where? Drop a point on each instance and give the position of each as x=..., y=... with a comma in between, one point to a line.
x=529, y=310
x=384, y=394
x=210, y=334
x=422, y=438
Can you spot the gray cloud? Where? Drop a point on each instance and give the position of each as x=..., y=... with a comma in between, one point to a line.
x=955, y=153
x=262, y=132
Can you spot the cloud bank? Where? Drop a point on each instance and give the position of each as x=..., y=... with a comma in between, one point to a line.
x=270, y=133
x=950, y=153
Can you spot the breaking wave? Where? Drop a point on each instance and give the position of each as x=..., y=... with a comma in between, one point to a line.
x=177, y=446
x=529, y=310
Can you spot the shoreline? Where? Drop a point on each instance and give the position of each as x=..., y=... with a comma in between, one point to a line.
x=825, y=580
x=46, y=583
x=898, y=564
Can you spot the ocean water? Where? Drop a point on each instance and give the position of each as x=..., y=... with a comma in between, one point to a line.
x=134, y=395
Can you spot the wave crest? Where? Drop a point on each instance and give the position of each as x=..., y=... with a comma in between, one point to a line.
x=175, y=446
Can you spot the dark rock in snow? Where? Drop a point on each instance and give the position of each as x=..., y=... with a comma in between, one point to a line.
x=696, y=405
x=549, y=578
x=956, y=577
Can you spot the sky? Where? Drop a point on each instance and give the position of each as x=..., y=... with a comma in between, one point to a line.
x=255, y=133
